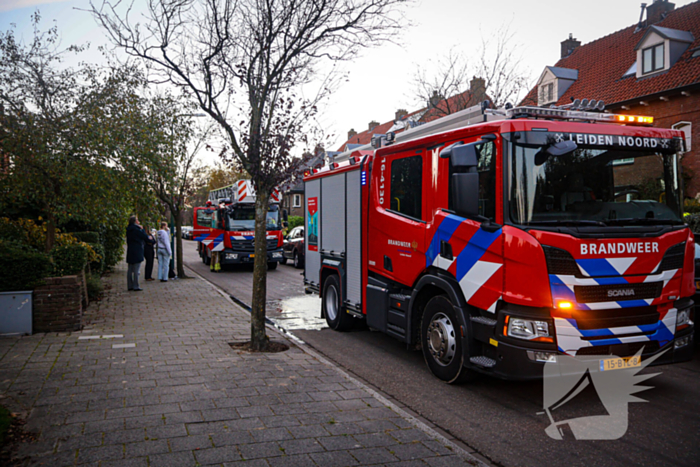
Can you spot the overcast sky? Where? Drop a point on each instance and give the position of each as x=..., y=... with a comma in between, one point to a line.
x=380, y=80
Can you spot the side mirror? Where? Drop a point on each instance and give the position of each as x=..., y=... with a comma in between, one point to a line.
x=464, y=194
x=462, y=156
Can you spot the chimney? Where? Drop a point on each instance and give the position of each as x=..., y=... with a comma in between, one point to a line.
x=434, y=100
x=372, y=125
x=477, y=88
x=658, y=11
x=401, y=113
x=351, y=133
x=569, y=46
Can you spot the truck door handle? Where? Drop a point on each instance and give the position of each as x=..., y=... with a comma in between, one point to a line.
x=446, y=250
x=387, y=264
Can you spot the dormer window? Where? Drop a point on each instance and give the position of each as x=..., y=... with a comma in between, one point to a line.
x=660, y=48
x=653, y=59
x=553, y=83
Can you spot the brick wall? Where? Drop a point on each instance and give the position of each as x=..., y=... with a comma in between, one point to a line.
x=677, y=109
x=58, y=305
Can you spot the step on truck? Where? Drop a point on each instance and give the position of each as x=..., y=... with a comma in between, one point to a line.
x=227, y=225
x=497, y=240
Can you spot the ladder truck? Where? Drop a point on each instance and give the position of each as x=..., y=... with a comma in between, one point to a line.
x=227, y=225
x=498, y=240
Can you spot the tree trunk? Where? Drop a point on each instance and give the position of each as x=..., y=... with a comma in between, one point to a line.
x=50, y=232
x=178, y=241
x=258, y=337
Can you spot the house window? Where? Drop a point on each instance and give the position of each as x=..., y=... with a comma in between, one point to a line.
x=297, y=201
x=546, y=93
x=653, y=59
x=686, y=128
x=406, y=186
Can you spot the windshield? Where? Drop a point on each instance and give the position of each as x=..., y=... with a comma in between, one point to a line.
x=605, y=180
x=243, y=218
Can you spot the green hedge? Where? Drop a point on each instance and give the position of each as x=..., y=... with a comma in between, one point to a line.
x=98, y=267
x=94, y=286
x=87, y=237
x=22, y=268
x=295, y=221
x=113, y=241
x=69, y=260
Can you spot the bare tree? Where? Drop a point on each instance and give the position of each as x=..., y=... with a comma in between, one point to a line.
x=244, y=62
x=498, y=62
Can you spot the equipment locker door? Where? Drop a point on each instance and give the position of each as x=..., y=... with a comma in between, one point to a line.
x=397, y=218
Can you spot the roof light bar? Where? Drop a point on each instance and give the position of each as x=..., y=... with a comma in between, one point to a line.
x=565, y=114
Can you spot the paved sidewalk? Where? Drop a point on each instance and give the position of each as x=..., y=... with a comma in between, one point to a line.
x=161, y=386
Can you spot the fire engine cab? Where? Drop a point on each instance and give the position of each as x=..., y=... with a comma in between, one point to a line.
x=227, y=225
x=497, y=240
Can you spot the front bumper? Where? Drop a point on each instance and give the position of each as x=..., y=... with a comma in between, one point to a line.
x=228, y=256
x=514, y=363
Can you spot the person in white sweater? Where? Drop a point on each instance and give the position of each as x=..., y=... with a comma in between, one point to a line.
x=164, y=251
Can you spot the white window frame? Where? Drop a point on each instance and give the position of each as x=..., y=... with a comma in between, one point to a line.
x=296, y=201
x=687, y=129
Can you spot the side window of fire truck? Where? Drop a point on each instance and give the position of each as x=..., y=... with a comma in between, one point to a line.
x=203, y=218
x=405, y=189
x=487, y=180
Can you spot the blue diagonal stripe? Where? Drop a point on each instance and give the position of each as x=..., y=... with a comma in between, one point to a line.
x=597, y=267
x=444, y=232
x=474, y=251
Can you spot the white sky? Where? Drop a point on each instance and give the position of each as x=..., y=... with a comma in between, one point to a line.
x=379, y=81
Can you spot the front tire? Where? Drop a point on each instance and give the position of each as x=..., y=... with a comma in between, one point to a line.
x=441, y=341
x=336, y=317
x=297, y=261
x=207, y=258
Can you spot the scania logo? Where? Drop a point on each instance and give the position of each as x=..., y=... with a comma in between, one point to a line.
x=621, y=293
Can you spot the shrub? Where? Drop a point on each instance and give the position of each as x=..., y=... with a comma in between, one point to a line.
x=113, y=241
x=97, y=265
x=693, y=221
x=87, y=237
x=22, y=268
x=69, y=259
x=94, y=286
x=295, y=221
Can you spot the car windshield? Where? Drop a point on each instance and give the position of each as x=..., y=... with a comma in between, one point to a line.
x=601, y=180
x=243, y=218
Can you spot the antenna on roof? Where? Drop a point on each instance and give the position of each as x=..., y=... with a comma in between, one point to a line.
x=641, y=15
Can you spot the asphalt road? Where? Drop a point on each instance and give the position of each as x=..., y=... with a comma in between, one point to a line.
x=497, y=419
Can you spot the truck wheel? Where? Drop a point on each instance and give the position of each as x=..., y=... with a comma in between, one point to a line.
x=207, y=258
x=441, y=342
x=272, y=265
x=284, y=259
x=336, y=317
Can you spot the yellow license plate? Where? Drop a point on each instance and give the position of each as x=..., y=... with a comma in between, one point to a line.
x=252, y=256
x=620, y=363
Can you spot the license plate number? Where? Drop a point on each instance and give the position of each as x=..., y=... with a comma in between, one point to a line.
x=620, y=363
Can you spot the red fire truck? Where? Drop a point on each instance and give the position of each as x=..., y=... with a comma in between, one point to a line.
x=497, y=240
x=227, y=225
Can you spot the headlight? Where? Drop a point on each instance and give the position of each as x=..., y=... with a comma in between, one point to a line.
x=527, y=329
x=277, y=254
x=231, y=256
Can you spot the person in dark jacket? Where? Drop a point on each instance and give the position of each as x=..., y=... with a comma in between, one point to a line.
x=149, y=253
x=135, y=240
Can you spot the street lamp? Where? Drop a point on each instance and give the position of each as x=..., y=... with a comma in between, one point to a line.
x=172, y=217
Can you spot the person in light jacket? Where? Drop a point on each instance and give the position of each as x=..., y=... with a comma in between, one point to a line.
x=164, y=251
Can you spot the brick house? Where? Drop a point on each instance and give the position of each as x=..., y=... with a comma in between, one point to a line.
x=437, y=107
x=293, y=194
x=650, y=68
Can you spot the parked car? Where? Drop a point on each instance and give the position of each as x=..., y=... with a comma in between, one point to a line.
x=187, y=232
x=293, y=247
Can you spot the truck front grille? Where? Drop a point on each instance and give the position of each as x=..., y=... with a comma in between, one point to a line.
x=617, y=293
x=616, y=317
x=248, y=246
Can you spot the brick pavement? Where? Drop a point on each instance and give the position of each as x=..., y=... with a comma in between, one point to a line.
x=170, y=391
